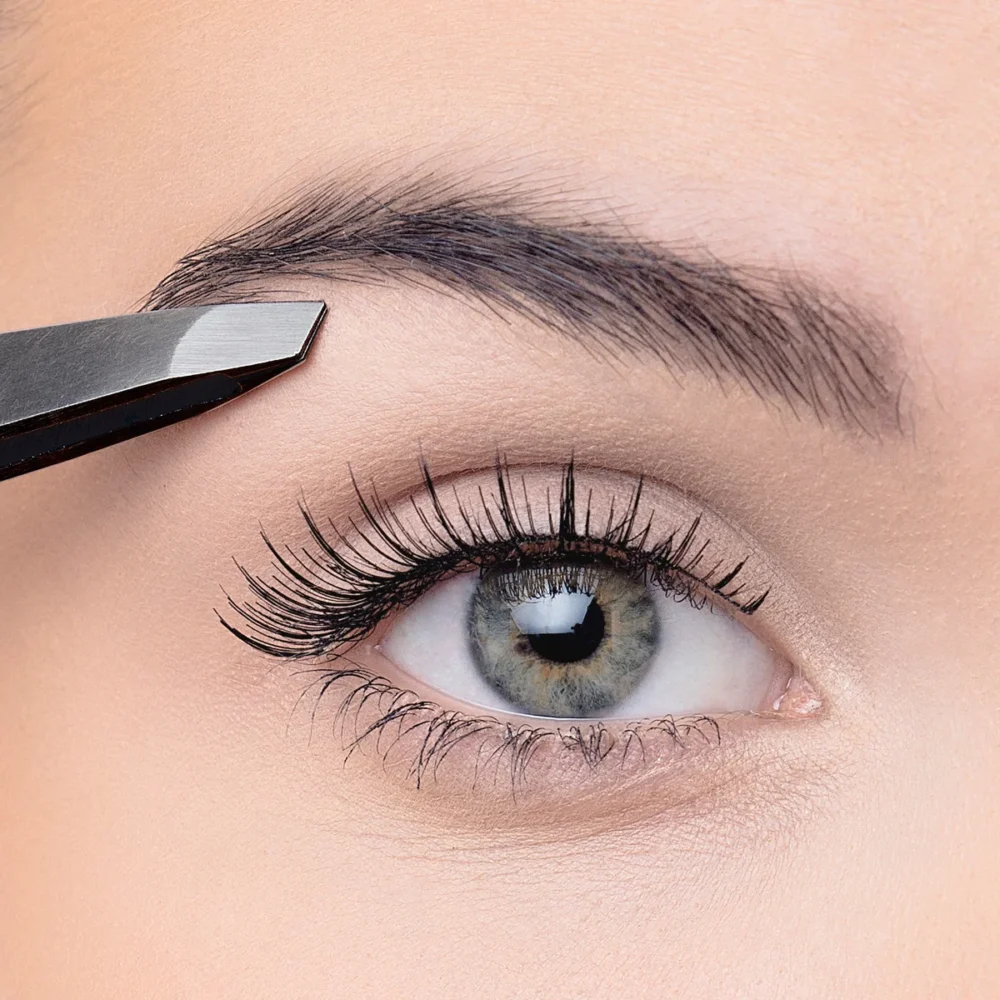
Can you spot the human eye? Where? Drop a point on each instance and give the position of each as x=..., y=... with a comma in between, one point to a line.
x=510, y=619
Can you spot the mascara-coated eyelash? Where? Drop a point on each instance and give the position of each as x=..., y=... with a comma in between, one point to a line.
x=336, y=592
x=499, y=747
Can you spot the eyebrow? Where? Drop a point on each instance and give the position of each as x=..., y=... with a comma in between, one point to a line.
x=573, y=269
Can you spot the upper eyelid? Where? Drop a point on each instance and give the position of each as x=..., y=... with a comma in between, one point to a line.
x=358, y=577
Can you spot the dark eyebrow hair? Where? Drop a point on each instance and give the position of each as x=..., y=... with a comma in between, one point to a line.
x=570, y=268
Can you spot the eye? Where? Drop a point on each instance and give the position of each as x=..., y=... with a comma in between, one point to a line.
x=527, y=599
x=579, y=640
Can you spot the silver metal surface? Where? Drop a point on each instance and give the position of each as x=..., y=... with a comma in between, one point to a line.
x=71, y=388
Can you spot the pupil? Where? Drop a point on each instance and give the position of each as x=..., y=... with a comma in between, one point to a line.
x=577, y=643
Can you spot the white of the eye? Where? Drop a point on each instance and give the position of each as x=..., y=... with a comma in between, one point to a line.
x=430, y=641
x=557, y=612
x=706, y=660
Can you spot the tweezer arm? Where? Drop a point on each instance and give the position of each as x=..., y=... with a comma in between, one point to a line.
x=70, y=389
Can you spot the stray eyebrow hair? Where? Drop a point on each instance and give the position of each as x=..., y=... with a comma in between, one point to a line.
x=771, y=331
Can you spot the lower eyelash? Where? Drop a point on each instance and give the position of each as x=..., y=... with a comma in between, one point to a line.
x=503, y=749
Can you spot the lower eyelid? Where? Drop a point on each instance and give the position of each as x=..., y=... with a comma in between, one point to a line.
x=538, y=775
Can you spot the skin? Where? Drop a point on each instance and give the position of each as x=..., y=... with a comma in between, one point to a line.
x=167, y=826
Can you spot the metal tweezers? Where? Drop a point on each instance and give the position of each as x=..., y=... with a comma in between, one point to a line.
x=70, y=389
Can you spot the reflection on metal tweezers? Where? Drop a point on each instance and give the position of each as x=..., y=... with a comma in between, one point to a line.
x=69, y=389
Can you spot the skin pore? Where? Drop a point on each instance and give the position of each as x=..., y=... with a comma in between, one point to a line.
x=173, y=820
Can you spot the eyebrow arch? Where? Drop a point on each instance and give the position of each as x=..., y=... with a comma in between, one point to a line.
x=567, y=267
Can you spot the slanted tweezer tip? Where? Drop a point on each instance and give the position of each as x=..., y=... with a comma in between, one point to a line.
x=69, y=389
x=246, y=335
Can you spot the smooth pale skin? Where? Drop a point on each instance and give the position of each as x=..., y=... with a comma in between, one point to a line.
x=164, y=831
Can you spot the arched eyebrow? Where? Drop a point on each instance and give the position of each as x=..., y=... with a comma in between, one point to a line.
x=774, y=332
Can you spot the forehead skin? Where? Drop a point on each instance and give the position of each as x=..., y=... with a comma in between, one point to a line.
x=855, y=140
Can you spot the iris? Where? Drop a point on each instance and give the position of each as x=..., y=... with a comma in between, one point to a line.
x=566, y=640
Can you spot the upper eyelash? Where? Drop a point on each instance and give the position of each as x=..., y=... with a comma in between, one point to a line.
x=335, y=594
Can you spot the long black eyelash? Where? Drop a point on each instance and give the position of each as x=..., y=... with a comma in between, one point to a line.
x=335, y=591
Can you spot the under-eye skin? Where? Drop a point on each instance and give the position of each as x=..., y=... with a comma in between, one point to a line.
x=577, y=617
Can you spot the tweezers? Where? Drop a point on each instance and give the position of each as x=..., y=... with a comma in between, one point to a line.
x=70, y=389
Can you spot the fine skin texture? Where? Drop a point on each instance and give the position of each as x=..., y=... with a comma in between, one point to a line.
x=174, y=824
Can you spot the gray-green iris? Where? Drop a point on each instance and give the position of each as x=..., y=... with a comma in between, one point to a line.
x=566, y=641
